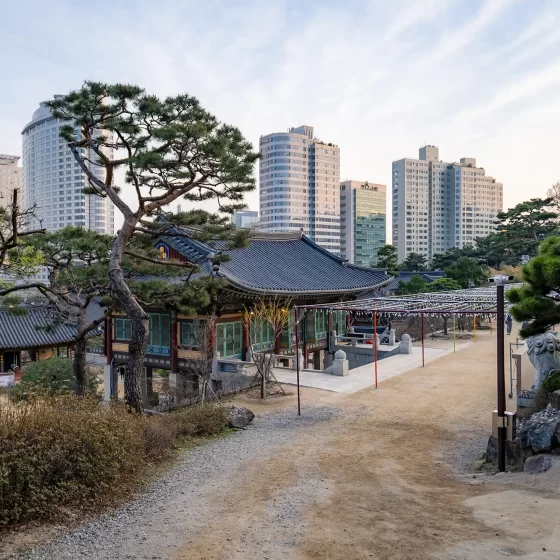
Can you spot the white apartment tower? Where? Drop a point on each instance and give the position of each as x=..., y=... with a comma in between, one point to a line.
x=439, y=205
x=299, y=186
x=10, y=178
x=53, y=182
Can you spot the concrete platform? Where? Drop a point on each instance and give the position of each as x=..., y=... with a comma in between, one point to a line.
x=364, y=376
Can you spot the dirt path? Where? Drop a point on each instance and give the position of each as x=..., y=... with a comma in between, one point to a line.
x=369, y=475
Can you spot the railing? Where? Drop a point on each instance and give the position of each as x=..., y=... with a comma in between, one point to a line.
x=158, y=350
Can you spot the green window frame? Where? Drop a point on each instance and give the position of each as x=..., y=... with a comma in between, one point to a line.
x=160, y=334
x=188, y=335
x=229, y=339
x=263, y=336
x=321, y=324
x=123, y=329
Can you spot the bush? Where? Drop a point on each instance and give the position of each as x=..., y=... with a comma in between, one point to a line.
x=61, y=451
x=552, y=382
x=54, y=376
x=198, y=421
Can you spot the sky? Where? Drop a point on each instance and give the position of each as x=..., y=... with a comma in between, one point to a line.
x=379, y=78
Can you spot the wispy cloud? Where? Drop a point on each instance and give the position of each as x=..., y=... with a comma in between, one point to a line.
x=379, y=78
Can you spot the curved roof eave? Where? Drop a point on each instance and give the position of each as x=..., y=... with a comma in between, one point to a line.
x=238, y=284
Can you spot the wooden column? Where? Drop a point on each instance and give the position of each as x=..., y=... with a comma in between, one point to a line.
x=329, y=334
x=174, y=346
x=317, y=359
x=149, y=385
x=244, y=340
x=109, y=339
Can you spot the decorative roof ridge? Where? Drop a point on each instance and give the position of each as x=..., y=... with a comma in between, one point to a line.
x=271, y=236
x=343, y=262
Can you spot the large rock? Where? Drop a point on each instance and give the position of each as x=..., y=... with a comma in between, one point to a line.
x=240, y=417
x=515, y=454
x=537, y=464
x=555, y=399
x=539, y=431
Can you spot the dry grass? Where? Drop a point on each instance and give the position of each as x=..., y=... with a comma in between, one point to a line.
x=64, y=452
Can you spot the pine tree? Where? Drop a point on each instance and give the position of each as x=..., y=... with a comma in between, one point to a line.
x=168, y=149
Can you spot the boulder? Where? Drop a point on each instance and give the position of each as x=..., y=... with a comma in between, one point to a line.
x=539, y=430
x=555, y=399
x=240, y=417
x=515, y=454
x=537, y=464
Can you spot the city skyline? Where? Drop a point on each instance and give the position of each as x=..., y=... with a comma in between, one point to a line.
x=500, y=61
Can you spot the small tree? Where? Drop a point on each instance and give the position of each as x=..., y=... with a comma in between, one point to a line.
x=13, y=231
x=203, y=341
x=443, y=285
x=416, y=285
x=272, y=314
x=387, y=257
x=414, y=262
x=466, y=272
x=168, y=149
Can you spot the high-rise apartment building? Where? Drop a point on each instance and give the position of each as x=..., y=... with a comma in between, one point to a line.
x=53, y=182
x=300, y=186
x=439, y=205
x=363, y=221
x=245, y=218
x=10, y=178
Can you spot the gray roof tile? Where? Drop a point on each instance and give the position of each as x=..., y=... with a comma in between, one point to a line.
x=27, y=331
x=282, y=263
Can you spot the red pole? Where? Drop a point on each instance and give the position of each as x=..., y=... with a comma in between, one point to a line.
x=423, y=363
x=297, y=362
x=375, y=344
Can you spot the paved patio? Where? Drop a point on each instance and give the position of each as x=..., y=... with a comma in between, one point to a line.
x=364, y=376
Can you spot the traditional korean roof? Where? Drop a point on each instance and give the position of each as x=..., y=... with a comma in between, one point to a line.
x=281, y=263
x=29, y=330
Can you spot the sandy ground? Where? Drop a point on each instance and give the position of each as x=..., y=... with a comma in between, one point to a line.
x=383, y=482
x=390, y=478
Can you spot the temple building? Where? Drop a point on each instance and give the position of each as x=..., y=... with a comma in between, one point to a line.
x=288, y=265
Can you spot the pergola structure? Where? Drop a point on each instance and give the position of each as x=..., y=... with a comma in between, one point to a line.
x=476, y=302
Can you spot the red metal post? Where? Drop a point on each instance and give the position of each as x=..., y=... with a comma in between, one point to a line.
x=423, y=362
x=375, y=344
x=297, y=362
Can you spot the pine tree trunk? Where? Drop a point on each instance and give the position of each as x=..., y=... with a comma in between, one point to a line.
x=80, y=368
x=138, y=318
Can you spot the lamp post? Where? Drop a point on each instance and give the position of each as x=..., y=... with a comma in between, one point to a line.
x=500, y=280
x=502, y=429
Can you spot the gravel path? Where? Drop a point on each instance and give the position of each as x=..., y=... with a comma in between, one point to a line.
x=367, y=475
x=178, y=505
